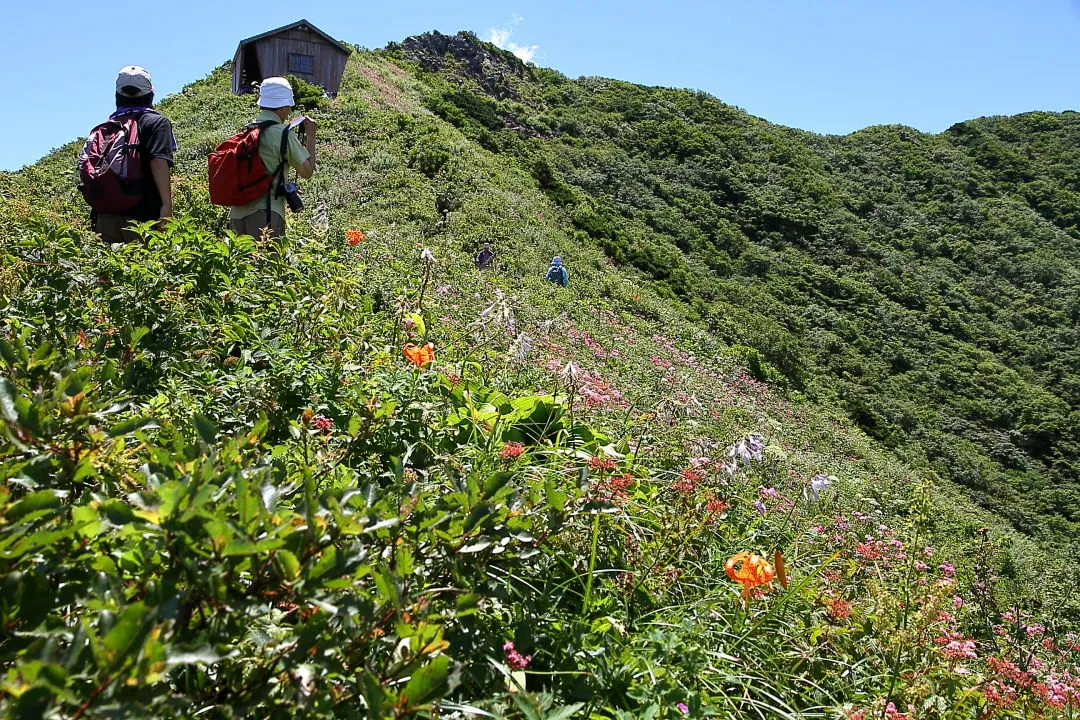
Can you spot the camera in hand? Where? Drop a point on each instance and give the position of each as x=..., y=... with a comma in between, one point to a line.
x=291, y=191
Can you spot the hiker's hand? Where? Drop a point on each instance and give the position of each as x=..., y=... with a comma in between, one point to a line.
x=165, y=214
x=309, y=126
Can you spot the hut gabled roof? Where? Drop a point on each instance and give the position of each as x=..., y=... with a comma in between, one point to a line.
x=301, y=24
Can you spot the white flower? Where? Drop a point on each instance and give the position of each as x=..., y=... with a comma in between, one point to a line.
x=818, y=484
x=427, y=256
x=749, y=448
x=570, y=373
x=521, y=347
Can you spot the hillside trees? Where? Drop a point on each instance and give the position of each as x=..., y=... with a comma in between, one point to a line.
x=926, y=284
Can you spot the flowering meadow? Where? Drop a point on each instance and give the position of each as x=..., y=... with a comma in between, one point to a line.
x=348, y=475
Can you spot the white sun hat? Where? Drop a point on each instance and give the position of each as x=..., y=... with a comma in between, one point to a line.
x=275, y=92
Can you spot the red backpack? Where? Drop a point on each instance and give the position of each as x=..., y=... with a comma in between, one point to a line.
x=237, y=173
x=110, y=166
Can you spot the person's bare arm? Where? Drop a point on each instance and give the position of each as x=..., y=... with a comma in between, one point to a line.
x=308, y=168
x=159, y=168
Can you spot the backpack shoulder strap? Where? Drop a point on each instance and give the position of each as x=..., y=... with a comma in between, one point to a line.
x=279, y=175
x=285, y=143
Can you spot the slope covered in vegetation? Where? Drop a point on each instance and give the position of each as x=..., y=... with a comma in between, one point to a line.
x=229, y=493
x=928, y=285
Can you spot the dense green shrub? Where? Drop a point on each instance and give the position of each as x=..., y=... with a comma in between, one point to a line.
x=307, y=96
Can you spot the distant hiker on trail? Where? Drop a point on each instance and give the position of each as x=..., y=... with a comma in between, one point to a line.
x=277, y=146
x=125, y=165
x=557, y=273
x=485, y=257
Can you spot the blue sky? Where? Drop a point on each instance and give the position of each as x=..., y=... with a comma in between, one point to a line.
x=827, y=66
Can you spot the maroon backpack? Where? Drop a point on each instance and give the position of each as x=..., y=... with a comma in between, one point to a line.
x=110, y=166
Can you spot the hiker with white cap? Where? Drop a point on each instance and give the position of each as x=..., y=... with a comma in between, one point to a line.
x=279, y=149
x=557, y=273
x=126, y=163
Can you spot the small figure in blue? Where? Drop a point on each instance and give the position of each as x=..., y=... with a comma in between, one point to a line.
x=485, y=258
x=557, y=273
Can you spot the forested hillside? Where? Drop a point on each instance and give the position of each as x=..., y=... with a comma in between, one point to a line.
x=348, y=475
x=928, y=285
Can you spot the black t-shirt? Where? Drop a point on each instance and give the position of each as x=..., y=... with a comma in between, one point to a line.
x=155, y=141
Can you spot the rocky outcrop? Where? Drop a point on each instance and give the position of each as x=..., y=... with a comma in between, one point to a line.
x=489, y=66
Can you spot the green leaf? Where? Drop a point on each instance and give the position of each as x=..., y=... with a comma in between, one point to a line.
x=33, y=503
x=564, y=712
x=43, y=354
x=477, y=546
x=379, y=700
x=421, y=327
x=206, y=428
x=125, y=634
x=131, y=425
x=138, y=334
x=108, y=370
x=467, y=604
x=388, y=585
x=7, y=401
x=427, y=684
x=479, y=513
x=287, y=564
x=403, y=558
x=326, y=562
x=118, y=512
x=84, y=470
x=239, y=547
x=105, y=564
x=556, y=498
x=8, y=353
x=496, y=482
x=86, y=521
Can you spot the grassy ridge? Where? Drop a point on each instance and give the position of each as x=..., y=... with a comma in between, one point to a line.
x=925, y=284
x=226, y=491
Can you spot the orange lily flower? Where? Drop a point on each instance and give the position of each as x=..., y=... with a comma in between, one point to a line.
x=419, y=356
x=355, y=237
x=749, y=570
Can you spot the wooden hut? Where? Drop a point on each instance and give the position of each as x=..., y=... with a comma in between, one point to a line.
x=300, y=49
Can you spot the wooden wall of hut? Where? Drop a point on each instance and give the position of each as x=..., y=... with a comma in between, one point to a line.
x=328, y=61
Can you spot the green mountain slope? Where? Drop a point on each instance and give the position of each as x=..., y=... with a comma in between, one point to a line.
x=928, y=285
x=227, y=492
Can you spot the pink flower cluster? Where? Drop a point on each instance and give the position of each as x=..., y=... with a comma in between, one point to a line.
x=838, y=608
x=687, y=482
x=511, y=450
x=591, y=387
x=601, y=464
x=614, y=490
x=590, y=343
x=514, y=659
x=890, y=713
x=1009, y=684
x=955, y=646
x=715, y=507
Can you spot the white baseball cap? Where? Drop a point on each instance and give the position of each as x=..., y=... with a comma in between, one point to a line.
x=275, y=92
x=134, y=81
